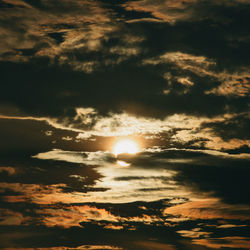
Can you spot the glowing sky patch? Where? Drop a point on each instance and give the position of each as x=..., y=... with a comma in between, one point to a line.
x=125, y=146
x=123, y=164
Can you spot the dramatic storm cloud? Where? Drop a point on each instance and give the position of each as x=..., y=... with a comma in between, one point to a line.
x=124, y=124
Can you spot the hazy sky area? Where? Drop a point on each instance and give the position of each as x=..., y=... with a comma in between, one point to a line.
x=124, y=124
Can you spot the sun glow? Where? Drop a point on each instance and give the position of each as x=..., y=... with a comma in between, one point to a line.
x=125, y=146
x=122, y=164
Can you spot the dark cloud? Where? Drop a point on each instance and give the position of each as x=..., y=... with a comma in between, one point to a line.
x=236, y=127
x=73, y=177
x=223, y=176
x=29, y=137
x=95, y=232
x=93, y=235
x=61, y=98
x=109, y=54
x=220, y=176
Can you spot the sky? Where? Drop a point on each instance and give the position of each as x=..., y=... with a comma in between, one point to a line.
x=124, y=124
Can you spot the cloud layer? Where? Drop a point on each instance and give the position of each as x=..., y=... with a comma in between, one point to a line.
x=77, y=77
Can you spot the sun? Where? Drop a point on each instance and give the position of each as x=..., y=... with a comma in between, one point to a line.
x=125, y=146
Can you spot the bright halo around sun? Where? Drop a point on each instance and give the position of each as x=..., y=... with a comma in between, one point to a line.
x=125, y=146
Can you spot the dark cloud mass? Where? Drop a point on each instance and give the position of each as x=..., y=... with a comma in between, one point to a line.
x=124, y=124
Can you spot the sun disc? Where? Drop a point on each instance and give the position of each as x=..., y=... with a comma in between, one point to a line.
x=125, y=146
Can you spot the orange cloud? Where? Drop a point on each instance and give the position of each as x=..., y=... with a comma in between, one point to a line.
x=10, y=218
x=148, y=245
x=229, y=242
x=209, y=209
x=71, y=216
x=9, y=170
x=167, y=11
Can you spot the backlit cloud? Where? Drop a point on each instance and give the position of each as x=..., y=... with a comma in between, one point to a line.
x=124, y=124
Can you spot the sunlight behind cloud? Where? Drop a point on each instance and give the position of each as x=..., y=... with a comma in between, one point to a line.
x=125, y=146
x=123, y=164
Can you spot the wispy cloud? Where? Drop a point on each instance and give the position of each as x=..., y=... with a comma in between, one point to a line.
x=231, y=84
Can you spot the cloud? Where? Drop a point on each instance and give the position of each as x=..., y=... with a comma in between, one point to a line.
x=8, y=170
x=228, y=242
x=155, y=245
x=234, y=84
x=89, y=125
x=90, y=130
x=194, y=233
x=44, y=194
x=37, y=21
x=10, y=218
x=62, y=33
x=194, y=170
x=181, y=129
x=45, y=181
x=163, y=170
x=72, y=216
x=88, y=158
x=197, y=64
x=166, y=11
x=66, y=44
x=119, y=188
x=77, y=76
x=178, y=11
x=209, y=209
